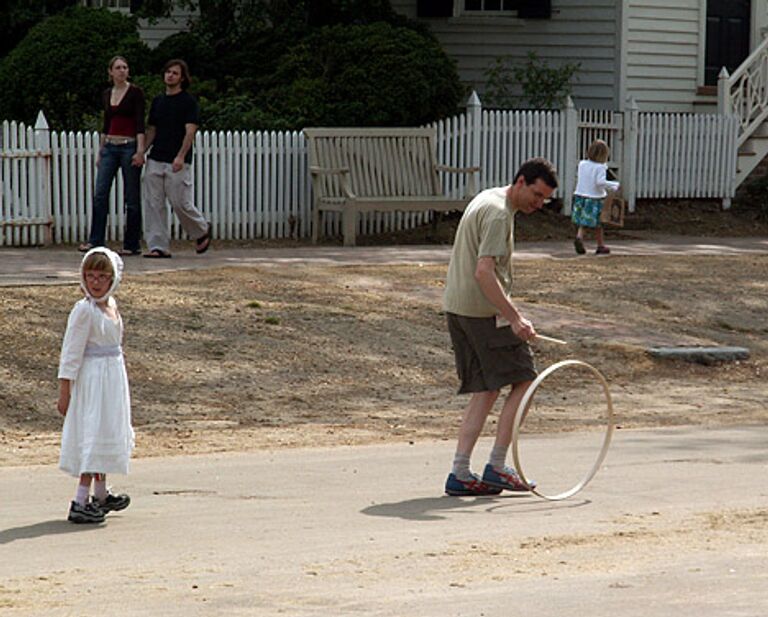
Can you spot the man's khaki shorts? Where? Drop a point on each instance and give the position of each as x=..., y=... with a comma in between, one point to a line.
x=487, y=357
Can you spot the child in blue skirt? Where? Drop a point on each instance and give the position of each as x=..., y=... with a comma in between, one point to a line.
x=591, y=187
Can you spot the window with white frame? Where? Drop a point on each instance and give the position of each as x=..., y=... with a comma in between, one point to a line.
x=489, y=7
x=524, y=9
x=111, y=4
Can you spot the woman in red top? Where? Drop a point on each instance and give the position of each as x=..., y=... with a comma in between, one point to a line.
x=121, y=147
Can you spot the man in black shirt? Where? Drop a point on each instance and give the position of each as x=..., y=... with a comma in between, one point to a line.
x=173, y=121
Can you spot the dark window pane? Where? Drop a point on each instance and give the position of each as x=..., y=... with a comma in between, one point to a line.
x=511, y=5
x=472, y=5
x=492, y=5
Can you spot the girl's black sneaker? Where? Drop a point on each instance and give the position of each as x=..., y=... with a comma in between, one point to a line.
x=85, y=514
x=112, y=503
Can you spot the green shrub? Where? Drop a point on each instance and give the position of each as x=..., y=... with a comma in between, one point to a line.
x=151, y=84
x=363, y=75
x=236, y=111
x=273, y=65
x=533, y=83
x=61, y=66
x=198, y=54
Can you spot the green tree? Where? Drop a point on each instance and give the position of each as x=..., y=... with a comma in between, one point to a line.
x=285, y=64
x=18, y=16
x=363, y=75
x=61, y=65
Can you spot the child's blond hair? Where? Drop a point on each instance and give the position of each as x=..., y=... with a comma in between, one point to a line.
x=598, y=151
x=99, y=262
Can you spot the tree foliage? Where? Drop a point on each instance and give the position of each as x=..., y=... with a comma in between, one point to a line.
x=61, y=65
x=363, y=75
x=256, y=64
x=17, y=17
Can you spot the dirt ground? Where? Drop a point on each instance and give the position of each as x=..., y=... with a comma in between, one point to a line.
x=239, y=359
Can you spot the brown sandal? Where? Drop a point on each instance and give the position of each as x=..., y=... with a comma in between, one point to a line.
x=157, y=254
x=203, y=242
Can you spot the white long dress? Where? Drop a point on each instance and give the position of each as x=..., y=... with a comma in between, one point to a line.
x=97, y=436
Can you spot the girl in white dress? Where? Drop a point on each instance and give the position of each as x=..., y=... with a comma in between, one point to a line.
x=94, y=398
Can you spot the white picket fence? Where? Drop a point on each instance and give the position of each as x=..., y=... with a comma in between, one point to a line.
x=25, y=156
x=256, y=184
x=686, y=156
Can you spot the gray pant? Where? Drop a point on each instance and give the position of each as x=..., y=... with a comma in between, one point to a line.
x=161, y=182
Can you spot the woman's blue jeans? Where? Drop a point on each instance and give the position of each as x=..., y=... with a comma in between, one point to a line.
x=111, y=158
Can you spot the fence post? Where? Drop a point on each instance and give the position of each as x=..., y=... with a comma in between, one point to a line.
x=475, y=112
x=570, y=155
x=724, y=109
x=731, y=128
x=723, y=93
x=43, y=171
x=629, y=173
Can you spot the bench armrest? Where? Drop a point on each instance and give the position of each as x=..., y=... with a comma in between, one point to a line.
x=341, y=172
x=314, y=170
x=470, y=171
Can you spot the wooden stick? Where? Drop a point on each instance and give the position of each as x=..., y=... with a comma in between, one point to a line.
x=549, y=339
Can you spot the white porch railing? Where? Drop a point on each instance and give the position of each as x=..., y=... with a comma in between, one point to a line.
x=256, y=185
x=745, y=93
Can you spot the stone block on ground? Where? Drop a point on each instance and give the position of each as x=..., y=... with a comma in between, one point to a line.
x=701, y=354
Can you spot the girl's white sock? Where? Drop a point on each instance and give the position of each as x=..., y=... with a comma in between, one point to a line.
x=100, y=487
x=81, y=496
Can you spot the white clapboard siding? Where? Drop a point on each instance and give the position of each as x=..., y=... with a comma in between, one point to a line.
x=663, y=43
x=579, y=31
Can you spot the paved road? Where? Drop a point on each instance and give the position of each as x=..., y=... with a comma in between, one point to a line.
x=365, y=531
x=24, y=266
x=674, y=524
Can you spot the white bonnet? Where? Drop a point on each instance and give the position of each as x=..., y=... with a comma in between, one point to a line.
x=117, y=271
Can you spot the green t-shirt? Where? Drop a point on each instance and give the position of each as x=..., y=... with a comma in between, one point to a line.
x=485, y=230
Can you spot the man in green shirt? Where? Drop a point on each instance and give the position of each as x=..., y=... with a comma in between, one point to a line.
x=488, y=333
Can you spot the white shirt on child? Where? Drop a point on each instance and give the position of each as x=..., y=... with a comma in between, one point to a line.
x=592, y=181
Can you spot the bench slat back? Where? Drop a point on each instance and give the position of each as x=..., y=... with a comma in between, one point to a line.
x=382, y=162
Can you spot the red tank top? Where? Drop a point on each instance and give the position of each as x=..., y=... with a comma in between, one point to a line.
x=122, y=125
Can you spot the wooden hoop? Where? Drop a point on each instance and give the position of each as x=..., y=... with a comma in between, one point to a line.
x=525, y=405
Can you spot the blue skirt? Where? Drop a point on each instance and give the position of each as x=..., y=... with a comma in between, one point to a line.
x=586, y=211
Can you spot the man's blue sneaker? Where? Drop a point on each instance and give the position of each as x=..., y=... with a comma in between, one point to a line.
x=506, y=479
x=464, y=488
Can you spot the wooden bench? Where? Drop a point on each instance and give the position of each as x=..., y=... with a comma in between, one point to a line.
x=358, y=170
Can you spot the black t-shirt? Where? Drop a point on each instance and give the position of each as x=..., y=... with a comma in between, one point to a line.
x=169, y=114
